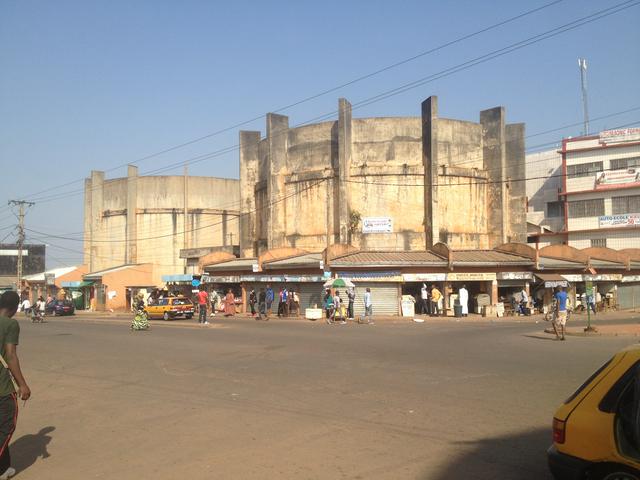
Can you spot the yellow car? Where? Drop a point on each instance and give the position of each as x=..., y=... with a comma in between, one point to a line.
x=596, y=432
x=170, y=308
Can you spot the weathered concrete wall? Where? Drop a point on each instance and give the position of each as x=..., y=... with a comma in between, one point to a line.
x=150, y=228
x=516, y=186
x=312, y=179
x=249, y=176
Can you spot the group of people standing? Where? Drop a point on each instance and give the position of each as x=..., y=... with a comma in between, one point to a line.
x=261, y=302
x=204, y=299
x=335, y=309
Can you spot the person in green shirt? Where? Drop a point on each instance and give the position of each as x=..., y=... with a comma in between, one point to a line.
x=12, y=382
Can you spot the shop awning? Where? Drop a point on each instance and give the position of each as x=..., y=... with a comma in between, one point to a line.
x=309, y=260
x=179, y=278
x=78, y=284
x=552, y=280
x=240, y=264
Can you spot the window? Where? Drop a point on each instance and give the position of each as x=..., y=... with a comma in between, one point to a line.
x=598, y=242
x=622, y=163
x=554, y=209
x=583, y=169
x=629, y=204
x=586, y=208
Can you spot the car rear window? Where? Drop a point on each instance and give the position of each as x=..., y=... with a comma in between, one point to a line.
x=181, y=301
x=588, y=381
x=609, y=402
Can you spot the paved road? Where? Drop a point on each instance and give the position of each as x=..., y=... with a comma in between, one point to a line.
x=295, y=400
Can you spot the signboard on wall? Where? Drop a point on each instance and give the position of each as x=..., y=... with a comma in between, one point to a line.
x=471, y=276
x=377, y=225
x=515, y=276
x=424, y=277
x=49, y=279
x=623, y=220
x=620, y=135
x=615, y=178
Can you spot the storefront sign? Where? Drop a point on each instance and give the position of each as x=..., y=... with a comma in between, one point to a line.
x=611, y=179
x=223, y=279
x=620, y=135
x=372, y=276
x=255, y=268
x=624, y=220
x=556, y=283
x=49, y=279
x=281, y=278
x=573, y=277
x=603, y=277
x=471, y=276
x=631, y=278
x=514, y=276
x=377, y=225
x=424, y=277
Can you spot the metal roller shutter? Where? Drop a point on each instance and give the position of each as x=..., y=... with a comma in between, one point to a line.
x=310, y=294
x=384, y=297
x=629, y=295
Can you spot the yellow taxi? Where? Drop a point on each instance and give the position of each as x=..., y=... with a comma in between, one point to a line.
x=170, y=308
x=596, y=432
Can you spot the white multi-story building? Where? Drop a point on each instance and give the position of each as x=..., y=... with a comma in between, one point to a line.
x=600, y=195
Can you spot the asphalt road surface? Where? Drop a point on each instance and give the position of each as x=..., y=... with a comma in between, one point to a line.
x=294, y=400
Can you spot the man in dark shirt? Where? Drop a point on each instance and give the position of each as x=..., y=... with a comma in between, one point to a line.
x=12, y=382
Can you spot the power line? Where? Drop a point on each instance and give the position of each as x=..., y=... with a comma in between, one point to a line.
x=406, y=87
x=327, y=91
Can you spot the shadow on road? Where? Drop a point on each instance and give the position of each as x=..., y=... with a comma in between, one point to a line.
x=520, y=456
x=553, y=339
x=26, y=449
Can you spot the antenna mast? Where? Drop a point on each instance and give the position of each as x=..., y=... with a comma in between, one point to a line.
x=582, y=64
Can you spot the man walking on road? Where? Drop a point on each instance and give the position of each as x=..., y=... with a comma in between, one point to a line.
x=269, y=298
x=435, y=298
x=203, y=300
x=561, y=316
x=12, y=382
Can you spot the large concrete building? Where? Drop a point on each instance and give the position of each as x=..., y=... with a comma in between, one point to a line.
x=150, y=219
x=361, y=181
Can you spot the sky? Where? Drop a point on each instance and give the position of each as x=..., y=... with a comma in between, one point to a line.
x=93, y=85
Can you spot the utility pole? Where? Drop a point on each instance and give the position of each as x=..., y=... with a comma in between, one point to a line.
x=21, y=204
x=582, y=64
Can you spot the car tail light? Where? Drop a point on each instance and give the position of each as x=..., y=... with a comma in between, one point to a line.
x=558, y=430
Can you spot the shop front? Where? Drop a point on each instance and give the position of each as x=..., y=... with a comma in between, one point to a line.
x=386, y=290
x=546, y=285
x=413, y=283
x=113, y=289
x=180, y=284
x=479, y=285
x=510, y=284
x=308, y=287
x=629, y=292
x=79, y=292
x=221, y=285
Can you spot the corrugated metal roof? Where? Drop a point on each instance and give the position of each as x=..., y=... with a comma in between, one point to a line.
x=606, y=264
x=58, y=272
x=389, y=258
x=99, y=274
x=488, y=257
x=231, y=265
x=548, y=262
x=309, y=259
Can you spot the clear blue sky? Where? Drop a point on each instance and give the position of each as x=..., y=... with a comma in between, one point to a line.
x=90, y=85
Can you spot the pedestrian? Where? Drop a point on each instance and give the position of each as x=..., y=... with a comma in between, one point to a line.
x=215, y=301
x=524, y=301
x=25, y=306
x=591, y=301
x=351, y=296
x=328, y=306
x=229, y=304
x=294, y=303
x=12, y=382
x=269, y=297
x=285, y=302
x=463, y=298
x=262, y=305
x=280, y=302
x=424, y=300
x=49, y=299
x=368, y=306
x=140, y=319
x=435, y=299
x=40, y=308
x=203, y=301
x=338, y=306
x=252, y=302
x=560, y=319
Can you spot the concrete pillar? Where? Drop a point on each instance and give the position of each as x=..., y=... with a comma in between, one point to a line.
x=97, y=182
x=517, y=188
x=494, y=156
x=131, y=247
x=277, y=133
x=430, y=162
x=249, y=165
x=342, y=209
x=494, y=292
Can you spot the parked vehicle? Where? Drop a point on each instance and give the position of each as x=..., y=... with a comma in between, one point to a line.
x=59, y=307
x=170, y=308
x=596, y=432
